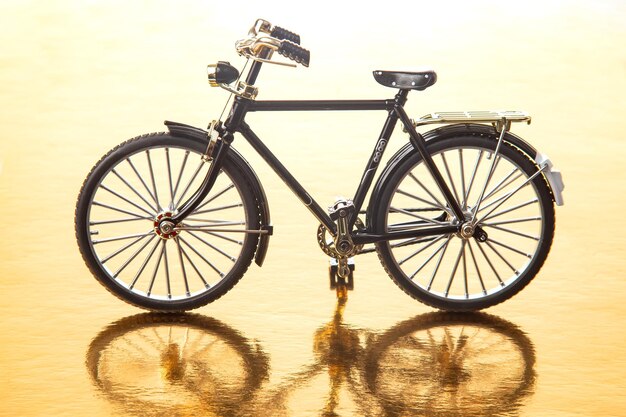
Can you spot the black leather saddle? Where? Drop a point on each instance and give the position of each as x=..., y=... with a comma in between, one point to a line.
x=406, y=80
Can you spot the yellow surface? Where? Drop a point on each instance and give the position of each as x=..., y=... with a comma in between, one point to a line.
x=79, y=77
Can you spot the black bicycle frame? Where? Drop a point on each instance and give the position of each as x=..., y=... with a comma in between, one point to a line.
x=235, y=123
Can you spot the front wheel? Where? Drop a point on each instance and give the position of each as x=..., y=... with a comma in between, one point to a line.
x=455, y=271
x=137, y=185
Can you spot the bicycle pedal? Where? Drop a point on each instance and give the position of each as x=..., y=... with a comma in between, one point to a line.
x=336, y=280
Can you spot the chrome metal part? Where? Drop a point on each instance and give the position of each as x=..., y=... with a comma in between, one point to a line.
x=163, y=227
x=242, y=89
x=211, y=229
x=554, y=177
x=499, y=118
x=253, y=46
x=467, y=230
x=211, y=73
x=214, y=141
x=327, y=244
x=260, y=25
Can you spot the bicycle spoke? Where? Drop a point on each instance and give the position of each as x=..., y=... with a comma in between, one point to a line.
x=445, y=164
x=462, y=178
x=492, y=169
x=180, y=175
x=132, y=219
x=103, y=261
x=469, y=187
x=127, y=200
x=156, y=269
x=512, y=193
x=113, y=239
x=456, y=265
x=425, y=189
x=144, y=184
x=169, y=176
x=501, y=185
x=131, y=187
x=133, y=256
x=217, y=209
x=239, y=242
x=154, y=187
x=182, y=267
x=167, y=271
x=519, y=206
x=502, y=257
x=504, y=229
x=193, y=177
x=421, y=249
x=213, y=247
x=206, y=284
x=119, y=210
x=411, y=241
x=522, y=220
x=202, y=257
x=430, y=203
x=480, y=277
x=465, y=271
x=408, y=213
x=143, y=266
x=438, y=264
x=529, y=256
x=489, y=263
x=212, y=198
x=444, y=244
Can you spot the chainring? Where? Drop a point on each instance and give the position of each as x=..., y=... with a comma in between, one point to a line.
x=328, y=245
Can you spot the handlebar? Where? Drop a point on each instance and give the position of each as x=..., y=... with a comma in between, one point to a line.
x=295, y=52
x=281, y=40
x=284, y=34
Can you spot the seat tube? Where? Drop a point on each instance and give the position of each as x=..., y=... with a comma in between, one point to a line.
x=377, y=153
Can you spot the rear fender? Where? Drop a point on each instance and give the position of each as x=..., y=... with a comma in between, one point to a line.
x=183, y=130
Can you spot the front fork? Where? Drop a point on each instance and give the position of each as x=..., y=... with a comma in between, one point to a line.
x=216, y=154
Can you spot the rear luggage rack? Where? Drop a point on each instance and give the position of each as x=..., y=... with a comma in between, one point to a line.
x=495, y=117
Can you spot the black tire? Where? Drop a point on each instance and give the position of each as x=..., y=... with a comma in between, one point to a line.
x=153, y=175
x=160, y=364
x=450, y=364
x=476, y=274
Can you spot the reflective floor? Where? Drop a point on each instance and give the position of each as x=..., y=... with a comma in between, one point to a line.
x=80, y=77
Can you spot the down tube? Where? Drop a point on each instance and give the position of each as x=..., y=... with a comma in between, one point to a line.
x=287, y=178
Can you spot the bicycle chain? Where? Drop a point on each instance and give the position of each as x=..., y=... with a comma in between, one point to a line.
x=329, y=248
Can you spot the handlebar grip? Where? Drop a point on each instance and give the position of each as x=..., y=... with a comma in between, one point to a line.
x=284, y=34
x=295, y=52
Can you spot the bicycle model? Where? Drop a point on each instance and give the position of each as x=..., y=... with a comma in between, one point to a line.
x=462, y=217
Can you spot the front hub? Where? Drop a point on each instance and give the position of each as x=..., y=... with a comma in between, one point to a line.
x=164, y=227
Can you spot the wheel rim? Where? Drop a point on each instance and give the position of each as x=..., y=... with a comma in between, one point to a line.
x=135, y=196
x=457, y=266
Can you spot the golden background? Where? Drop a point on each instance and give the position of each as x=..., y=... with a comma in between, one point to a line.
x=79, y=77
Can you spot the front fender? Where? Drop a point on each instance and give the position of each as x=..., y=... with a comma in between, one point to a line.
x=183, y=130
x=458, y=130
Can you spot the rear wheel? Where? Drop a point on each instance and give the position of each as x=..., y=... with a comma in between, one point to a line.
x=456, y=271
x=137, y=185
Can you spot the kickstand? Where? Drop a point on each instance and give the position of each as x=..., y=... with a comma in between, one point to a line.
x=337, y=281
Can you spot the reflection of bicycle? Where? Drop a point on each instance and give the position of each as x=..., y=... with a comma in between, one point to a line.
x=438, y=364
x=462, y=216
x=444, y=364
x=164, y=364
